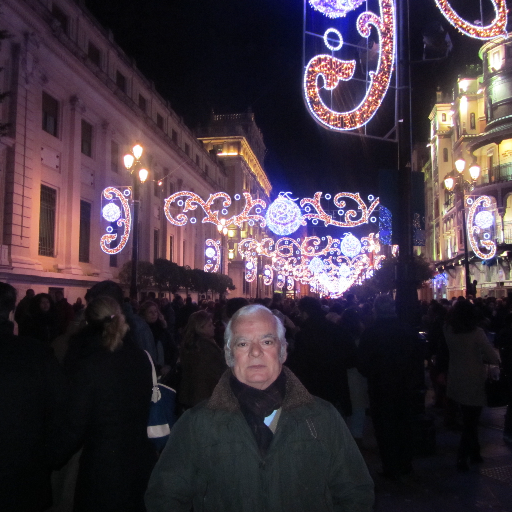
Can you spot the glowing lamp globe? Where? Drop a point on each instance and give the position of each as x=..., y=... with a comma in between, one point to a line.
x=484, y=219
x=111, y=212
x=210, y=252
x=350, y=246
x=283, y=216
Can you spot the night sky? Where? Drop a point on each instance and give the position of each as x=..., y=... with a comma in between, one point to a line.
x=231, y=55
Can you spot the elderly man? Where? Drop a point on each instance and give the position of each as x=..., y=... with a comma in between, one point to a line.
x=261, y=442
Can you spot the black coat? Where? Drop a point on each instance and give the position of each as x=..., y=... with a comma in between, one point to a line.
x=322, y=354
x=108, y=409
x=32, y=386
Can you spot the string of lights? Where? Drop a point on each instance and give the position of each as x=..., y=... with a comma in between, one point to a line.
x=112, y=213
x=477, y=224
x=333, y=70
x=498, y=26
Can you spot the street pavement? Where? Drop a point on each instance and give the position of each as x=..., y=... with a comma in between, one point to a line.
x=436, y=485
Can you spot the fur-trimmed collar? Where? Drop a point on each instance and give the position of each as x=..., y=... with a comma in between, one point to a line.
x=224, y=399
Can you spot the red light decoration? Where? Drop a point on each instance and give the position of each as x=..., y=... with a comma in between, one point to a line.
x=473, y=230
x=347, y=217
x=498, y=27
x=334, y=70
x=213, y=261
x=192, y=201
x=111, y=193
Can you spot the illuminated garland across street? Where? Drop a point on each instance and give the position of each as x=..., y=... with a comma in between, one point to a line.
x=498, y=26
x=321, y=263
x=335, y=8
x=112, y=213
x=282, y=220
x=333, y=70
x=473, y=229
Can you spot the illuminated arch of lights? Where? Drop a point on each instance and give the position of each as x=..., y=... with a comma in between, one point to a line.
x=328, y=267
x=333, y=70
x=217, y=205
x=474, y=229
x=111, y=212
x=212, y=254
x=498, y=26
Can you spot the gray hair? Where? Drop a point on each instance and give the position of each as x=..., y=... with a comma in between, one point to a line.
x=253, y=309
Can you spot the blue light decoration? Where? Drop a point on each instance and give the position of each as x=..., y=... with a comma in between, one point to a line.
x=116, y=208
x=385, y=230
x=283, y=216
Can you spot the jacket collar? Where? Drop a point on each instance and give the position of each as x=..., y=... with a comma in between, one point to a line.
x=224, y=399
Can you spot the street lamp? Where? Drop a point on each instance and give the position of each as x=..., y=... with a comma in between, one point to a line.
x=140, y=175
x=457, y=183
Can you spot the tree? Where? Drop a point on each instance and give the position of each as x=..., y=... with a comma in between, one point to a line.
x=166, y=275
x=145, y=274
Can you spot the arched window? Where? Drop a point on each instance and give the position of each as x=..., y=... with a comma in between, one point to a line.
x=472, y=121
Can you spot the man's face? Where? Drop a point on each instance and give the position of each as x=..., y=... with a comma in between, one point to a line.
x=256, y=350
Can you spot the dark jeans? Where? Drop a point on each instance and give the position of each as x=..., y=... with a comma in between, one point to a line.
x=469, y=445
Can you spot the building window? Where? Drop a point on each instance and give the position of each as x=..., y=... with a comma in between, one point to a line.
x=61, y=17
x=47, y=214
x=171, y=188
x=171, y=248
x=156, y=248
x=197, y=160
x=86, y=138
x=50, y=115
x=157, y=185
x=472, y=121
x=143, y=104
x=443, y=118
x=114, y=156
x=445, y=154
x=94, y=54
x=121, y=81
x=159, y=121
x=85, y=232
x=218, y=148
x=187, y=149
x=174, y=136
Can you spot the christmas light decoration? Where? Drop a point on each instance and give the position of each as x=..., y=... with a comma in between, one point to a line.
x=110, y=213
x=212, y=253
x=473, y=229
x=193, y=201
x=347, y=217
x=484, y=219
x=350, y=245
x=333, y=70
x=498, y=26
x=335, y=8
x=283, y=215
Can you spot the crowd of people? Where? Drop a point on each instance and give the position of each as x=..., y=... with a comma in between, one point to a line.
x=272, y=397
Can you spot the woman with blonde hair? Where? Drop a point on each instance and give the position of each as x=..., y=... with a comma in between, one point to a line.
x=107, y=413
x=202, y=360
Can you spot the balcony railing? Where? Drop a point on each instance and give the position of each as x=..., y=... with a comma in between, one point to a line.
x=497, y=173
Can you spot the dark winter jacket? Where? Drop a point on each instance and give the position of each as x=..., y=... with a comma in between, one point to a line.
x=32, y=387
x=201, y=371
x=322, y=354
x=108, y=409
x=213, y=463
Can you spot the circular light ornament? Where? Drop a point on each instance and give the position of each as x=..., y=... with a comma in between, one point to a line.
x=210, y=252
x=316, y=265
x=337, y=35
x=484, y=219
x=111, y=212
x=335, y=8
x=283, y=216
x=344, y=271
x=350, y=245
x=249, y=265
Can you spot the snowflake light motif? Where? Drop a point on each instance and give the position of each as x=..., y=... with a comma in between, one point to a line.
x=335, y=8
x=283, y=216
x=111, y=212
x=484, y=219
x=350, y=246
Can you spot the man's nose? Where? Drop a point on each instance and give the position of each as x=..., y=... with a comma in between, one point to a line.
x=255, y=349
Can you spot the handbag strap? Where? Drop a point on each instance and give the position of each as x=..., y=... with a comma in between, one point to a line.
x=155, y=396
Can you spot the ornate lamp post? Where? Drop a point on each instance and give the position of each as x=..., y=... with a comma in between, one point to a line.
x=140, y=175
x=457, y=184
